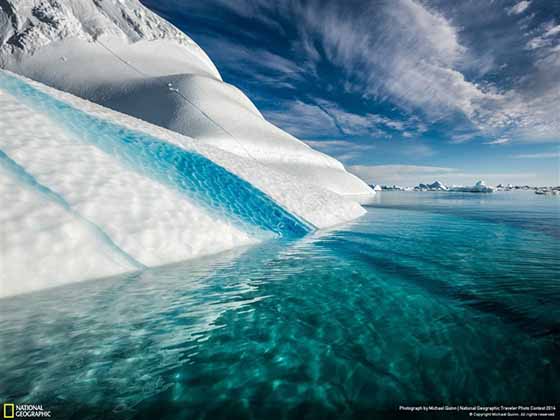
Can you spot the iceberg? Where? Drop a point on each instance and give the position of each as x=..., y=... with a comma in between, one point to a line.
x=122, y=56
x=435, y=186
x=122, y=148
x=90, y=192
x=392, y=188
x=479, y=187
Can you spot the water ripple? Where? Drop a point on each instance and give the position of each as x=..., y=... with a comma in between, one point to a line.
x=400, y=307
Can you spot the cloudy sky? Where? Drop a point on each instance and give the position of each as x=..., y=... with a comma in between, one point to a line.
x=401, y=91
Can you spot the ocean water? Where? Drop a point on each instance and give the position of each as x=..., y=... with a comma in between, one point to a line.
x=429, y=298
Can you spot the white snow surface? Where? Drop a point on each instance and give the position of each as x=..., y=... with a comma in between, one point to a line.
x=122, y=56
x=93, y=216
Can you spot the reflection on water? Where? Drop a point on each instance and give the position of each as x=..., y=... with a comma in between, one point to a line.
x=436, y=300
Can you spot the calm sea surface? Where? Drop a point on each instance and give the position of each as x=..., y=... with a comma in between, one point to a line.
x=429, y=298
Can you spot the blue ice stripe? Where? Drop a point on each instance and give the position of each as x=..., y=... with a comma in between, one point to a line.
x=220, y=191
x=26, y=178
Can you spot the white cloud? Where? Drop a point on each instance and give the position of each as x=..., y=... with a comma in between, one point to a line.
x=412, y=175
x=408, y=175
x=352, y=151
x=502, y=140
x=554, y=30
x=463, y=137
x=408, y=56
x=326, y=118
x=519, y=8
x=246, y=60
x=412, y=57
x=302, y=119
x=330, y=143
x=546, y=155
x=407, y=53
x=343, y=150
x=545, y=38
x=358, y=124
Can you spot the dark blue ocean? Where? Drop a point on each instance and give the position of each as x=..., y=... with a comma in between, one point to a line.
x=442, y=298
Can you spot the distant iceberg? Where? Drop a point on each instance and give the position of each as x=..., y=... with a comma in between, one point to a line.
x=479, y=187
x=547, y=190
x=435, y=186
x=393, y=188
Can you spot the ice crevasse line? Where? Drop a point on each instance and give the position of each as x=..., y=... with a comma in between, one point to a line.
x=221, y=192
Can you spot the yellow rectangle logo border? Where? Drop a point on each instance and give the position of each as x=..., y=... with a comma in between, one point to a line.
x=5, y=411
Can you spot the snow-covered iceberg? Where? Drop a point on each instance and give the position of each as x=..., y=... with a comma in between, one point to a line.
x=89, y=192
x=122, y=56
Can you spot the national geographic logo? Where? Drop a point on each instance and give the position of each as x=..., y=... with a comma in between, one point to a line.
x=21, y=411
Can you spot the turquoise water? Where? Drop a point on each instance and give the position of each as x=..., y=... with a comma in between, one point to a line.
x=429, y=298
x=221, y=192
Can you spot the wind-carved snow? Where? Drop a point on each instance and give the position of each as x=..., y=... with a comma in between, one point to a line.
x=145, y=195
x=26, y=26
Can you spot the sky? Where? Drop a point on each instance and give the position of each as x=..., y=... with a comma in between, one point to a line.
x=401, y=91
